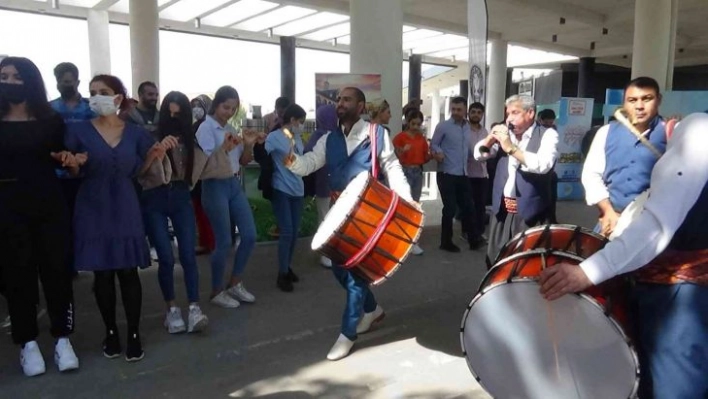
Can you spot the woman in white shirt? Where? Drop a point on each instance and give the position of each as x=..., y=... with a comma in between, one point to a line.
x=224, y=200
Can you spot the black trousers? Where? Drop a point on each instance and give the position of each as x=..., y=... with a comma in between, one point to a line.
x=34, y=231
x=70, y=187
x=456, y=195
x=479, y=187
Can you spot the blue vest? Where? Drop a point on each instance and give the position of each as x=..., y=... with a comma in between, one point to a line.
x=343, y=168
x=628, y=162
x=692, y=235
x=533, y=190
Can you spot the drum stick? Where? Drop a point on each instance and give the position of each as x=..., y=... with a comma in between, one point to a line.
x=622, y=118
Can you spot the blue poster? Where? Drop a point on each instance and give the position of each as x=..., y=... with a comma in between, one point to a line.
x=574, y=120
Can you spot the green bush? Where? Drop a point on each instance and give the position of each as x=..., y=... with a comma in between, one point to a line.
x=265, y=219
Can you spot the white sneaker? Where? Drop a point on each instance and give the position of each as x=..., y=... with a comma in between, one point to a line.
x=174, y=322
x=64, y=355
x=239, y=292
x=197, y=320
x=225, y=301
x=416, y=250
x=325, y=262
x=341, y=348
x=369, y=319
x=31, y=359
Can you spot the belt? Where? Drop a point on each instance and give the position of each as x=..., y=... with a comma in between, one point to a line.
x=673, y=267
x=510, y=205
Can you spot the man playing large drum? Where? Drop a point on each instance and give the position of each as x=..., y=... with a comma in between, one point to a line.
x=666, y=247
x=618, y=165
x=347, y=152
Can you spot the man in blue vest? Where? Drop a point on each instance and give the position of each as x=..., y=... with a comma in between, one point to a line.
x=347, y=152
x=618, y=166
x=665, y=248
x=521, y=194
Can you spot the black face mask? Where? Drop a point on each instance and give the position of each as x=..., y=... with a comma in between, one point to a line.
x=67, y=91
x=13, y=93
x=175, y=126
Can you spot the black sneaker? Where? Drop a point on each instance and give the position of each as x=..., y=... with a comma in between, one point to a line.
x=292, y=276
x=134, y=351
x=111, y=345
x=284, y=283
x=450, y=247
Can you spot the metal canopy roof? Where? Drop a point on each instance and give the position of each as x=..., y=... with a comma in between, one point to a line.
x=433, y=28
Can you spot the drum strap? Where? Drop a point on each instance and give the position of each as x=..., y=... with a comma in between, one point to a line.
x=374, y=151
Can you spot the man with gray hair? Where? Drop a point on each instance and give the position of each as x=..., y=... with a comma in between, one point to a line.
x=521, y=194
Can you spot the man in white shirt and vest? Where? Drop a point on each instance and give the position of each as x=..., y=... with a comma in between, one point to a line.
x=666, y=250
x=618, y=166
x=521, y=193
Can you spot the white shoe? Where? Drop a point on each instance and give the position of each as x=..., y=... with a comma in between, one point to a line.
x=325, y=262
x=174, y=322
x=369, y=319
x=64, y=355
x=197, y=320
x=239, y=292
x=225, y=301
x=416, y=250
x=31, y=359
x=341, y=348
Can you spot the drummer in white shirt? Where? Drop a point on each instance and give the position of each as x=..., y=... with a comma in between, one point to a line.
x=619, y=165
x=666, y=249
x=347, y=152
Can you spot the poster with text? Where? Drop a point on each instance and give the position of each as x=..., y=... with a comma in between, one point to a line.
x=574, y=120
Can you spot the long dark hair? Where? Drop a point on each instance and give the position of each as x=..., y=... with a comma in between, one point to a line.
x=36, y=93
x=180, y=126
x=224, y=94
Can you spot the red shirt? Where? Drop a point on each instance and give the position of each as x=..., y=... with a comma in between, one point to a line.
x=417, y=153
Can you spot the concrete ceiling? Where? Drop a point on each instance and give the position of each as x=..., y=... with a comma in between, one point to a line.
x=434, y=28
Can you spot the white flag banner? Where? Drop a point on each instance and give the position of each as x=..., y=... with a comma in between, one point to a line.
x=477, y=18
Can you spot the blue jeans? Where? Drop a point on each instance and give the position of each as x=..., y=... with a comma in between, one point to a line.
x=225, y=202
x=288, y=212
x=672, y=323
x=414, y=175
x=359, y=298
x=174, y=202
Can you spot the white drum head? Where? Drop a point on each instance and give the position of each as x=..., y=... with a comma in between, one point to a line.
x=508, y=336
x=341, y=209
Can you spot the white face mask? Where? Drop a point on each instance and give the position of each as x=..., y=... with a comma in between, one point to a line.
x=299, y=128
x=197, y=113
x=103, y=105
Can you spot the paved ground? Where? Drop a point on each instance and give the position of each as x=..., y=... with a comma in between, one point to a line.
x=276, y=348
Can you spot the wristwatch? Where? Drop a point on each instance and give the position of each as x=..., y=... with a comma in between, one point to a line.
x=513, y=150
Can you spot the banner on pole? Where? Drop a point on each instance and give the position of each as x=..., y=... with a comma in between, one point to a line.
x=477, y=18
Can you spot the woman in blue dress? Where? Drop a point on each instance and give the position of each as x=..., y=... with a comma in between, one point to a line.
x=109, y=235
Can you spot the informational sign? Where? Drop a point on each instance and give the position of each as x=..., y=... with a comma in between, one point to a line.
x=574, y=120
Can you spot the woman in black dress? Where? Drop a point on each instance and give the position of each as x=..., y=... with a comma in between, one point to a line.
x=34, y=223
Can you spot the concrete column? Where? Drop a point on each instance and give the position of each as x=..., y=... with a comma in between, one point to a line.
x=434, y=112
x=652, y=51
x=586, y=74
x=496, y=89
x=144, y=42
x=99, y=42
x=415, y=76
x=465, y=89
x=287, y=67
x=377, y=47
